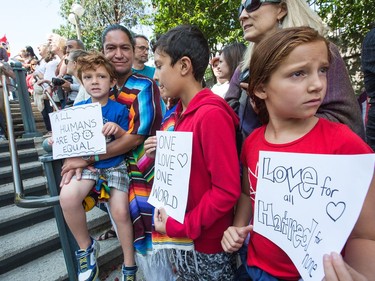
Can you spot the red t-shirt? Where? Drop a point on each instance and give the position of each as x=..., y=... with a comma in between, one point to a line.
x=325, y=138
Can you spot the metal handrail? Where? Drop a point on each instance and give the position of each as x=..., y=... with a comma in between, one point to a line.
x=48, y=95
x=19, y=198
x=67, y=241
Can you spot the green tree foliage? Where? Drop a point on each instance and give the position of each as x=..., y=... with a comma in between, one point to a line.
x=99, y=14
x=218, y=20
x=349, y=21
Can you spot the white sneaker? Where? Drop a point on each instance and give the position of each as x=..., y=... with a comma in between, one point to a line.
x=88, y=269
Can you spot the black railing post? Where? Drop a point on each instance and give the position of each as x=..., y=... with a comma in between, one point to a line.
x=24, y=100
x=52, y=170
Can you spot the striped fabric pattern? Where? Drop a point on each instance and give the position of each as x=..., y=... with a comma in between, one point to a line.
x=141, y=95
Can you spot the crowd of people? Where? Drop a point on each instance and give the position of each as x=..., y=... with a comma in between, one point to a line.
x=287, y=91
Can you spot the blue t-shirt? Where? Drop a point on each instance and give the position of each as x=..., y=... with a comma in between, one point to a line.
x=116, y=113
x=146, y=71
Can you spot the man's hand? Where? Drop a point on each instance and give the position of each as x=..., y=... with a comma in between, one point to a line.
x=68, y=176
x=234, y=237
x=73, y=166
x=73, y=163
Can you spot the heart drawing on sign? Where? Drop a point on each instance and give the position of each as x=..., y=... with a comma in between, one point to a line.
x=335, y=211
x=182, y=159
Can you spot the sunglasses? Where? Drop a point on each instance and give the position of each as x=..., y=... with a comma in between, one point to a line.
x=253, y=5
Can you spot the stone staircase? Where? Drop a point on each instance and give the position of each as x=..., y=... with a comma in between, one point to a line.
x=30, y=247
x=18, y=123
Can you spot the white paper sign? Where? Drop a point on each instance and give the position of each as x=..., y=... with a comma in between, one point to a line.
x=172, y=173
x=77, y=131
x=308, y=204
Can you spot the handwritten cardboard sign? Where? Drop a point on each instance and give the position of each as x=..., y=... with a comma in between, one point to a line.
x=307, y=204
x=172, y=173
x=77, y=131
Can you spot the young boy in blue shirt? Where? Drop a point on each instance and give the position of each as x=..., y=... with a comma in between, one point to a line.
x=98, y=76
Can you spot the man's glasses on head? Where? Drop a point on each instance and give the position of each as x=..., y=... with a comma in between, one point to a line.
x=143, y=48
x=253, y=5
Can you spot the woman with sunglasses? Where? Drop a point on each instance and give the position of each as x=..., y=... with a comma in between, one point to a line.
x=260, y=18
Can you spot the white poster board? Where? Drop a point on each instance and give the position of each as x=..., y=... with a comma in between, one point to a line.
x=307, y=204
x=172, y=173
x=77, y=131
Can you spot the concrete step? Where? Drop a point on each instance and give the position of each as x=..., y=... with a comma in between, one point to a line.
x=40, y=129
x=20, y=144
x=14, y=218
x=18, y=126
x=24, y=156
x=28, y=170
x=32, y=186
x=17, y=118
x=28, y=244
x=51, y=267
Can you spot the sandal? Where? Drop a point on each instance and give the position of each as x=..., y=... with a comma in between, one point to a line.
x=110, y=233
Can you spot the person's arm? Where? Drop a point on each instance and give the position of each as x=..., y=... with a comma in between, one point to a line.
x=360, y=247
x=73, y=86
x=233, y=94
x=336, y=269
x=340, y=103
x=234, y=236
x=244, y=209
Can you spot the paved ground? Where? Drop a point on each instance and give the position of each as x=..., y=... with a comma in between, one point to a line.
x=115, y=274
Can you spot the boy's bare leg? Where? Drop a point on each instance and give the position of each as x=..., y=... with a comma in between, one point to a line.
x=71, y=197
x=119, y=208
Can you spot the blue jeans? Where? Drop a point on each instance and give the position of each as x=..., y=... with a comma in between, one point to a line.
x=257, y=274
x=241, y=273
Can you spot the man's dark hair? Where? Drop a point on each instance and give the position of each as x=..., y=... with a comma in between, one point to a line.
x=120, y=27
x=79, y=43
x=189, y=41
x=141, y=36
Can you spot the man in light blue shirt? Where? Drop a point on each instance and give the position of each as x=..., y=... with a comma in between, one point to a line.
x=141, y=50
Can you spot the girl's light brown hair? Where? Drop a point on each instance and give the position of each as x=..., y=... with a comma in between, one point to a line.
x=91, y=61
x=270, y=53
